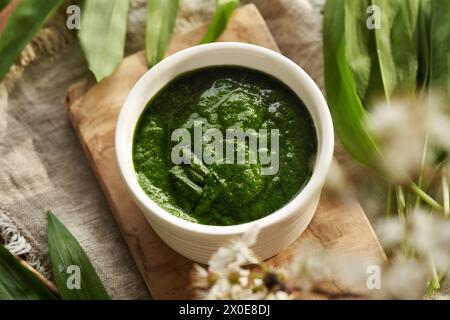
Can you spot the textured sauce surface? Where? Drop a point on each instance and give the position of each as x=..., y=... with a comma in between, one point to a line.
x=222, y=193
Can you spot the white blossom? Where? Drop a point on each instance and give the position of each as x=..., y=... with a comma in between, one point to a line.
x=405, y=276
x=279, y=295
x=422, y=234
x=405, y=279
x=406, y=130
x=399, y=130
x=391, y=233
x=426, y=234
x=337, y=184
x=226, y=277
x=310, y=269
x=438, y=121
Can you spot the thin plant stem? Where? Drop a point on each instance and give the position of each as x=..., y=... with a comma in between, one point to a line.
x=425, y=197
x=435, y=283
x=445, y=195
x=422, y=165
x=401, y=205
x=439, y=169
x=408, y=250
x=389, y=201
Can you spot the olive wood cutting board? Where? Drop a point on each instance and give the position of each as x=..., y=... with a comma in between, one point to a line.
x=93, y=109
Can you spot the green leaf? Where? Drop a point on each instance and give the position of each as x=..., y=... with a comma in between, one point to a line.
x=423, y=44
x=361, y=51
x=349, y=115
x=102, y=34
x=224, y=10
x=17, y=282
x=357, y=37
x=160, y=23
x=4, y=3
x=440, y=45
x=25, y=21
x=396, y=44
x=67, y=255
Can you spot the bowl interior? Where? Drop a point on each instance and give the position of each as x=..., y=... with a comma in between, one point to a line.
x=236, y=54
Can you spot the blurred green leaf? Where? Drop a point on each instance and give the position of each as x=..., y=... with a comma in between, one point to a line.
x=224, y=10
x=361, y=51
x=349, y=115
x=440, y=45
x=4, y=3
x=160, y=23
x=65, y=252
x=396, y=44
x=25, y=21
x=102, y=34
x=423, y=43
x=17, y=282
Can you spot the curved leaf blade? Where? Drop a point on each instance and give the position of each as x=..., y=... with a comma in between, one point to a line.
x=4, y=3
x=65, y=252
x=160, y=23
x=361, y=51
x=423, y=43
x=224, y=10
x=349, y=115
x=396, y=44
x=440, y=45
x=102, y=34
x=357, y=37
x=17, y=282
x=25, y=21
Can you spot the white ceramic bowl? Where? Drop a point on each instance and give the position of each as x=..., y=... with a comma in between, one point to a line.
x=279, y=229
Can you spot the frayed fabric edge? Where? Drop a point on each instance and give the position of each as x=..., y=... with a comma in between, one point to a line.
x=17, y=244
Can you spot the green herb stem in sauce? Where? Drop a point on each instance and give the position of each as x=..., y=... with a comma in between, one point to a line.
x=222, y=193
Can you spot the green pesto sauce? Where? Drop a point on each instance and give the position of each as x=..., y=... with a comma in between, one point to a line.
x=227, y=194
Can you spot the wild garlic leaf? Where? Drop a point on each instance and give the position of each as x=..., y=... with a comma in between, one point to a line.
x=361, y=51
x=160, y=23
x=4, y=3
x=25, y=21
x=423, y=42
x=224, y=10
x=74, y=274
x=17, y=282
x=102, y=34
x=396, y=44
x=440, y=46
x=349, y=115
